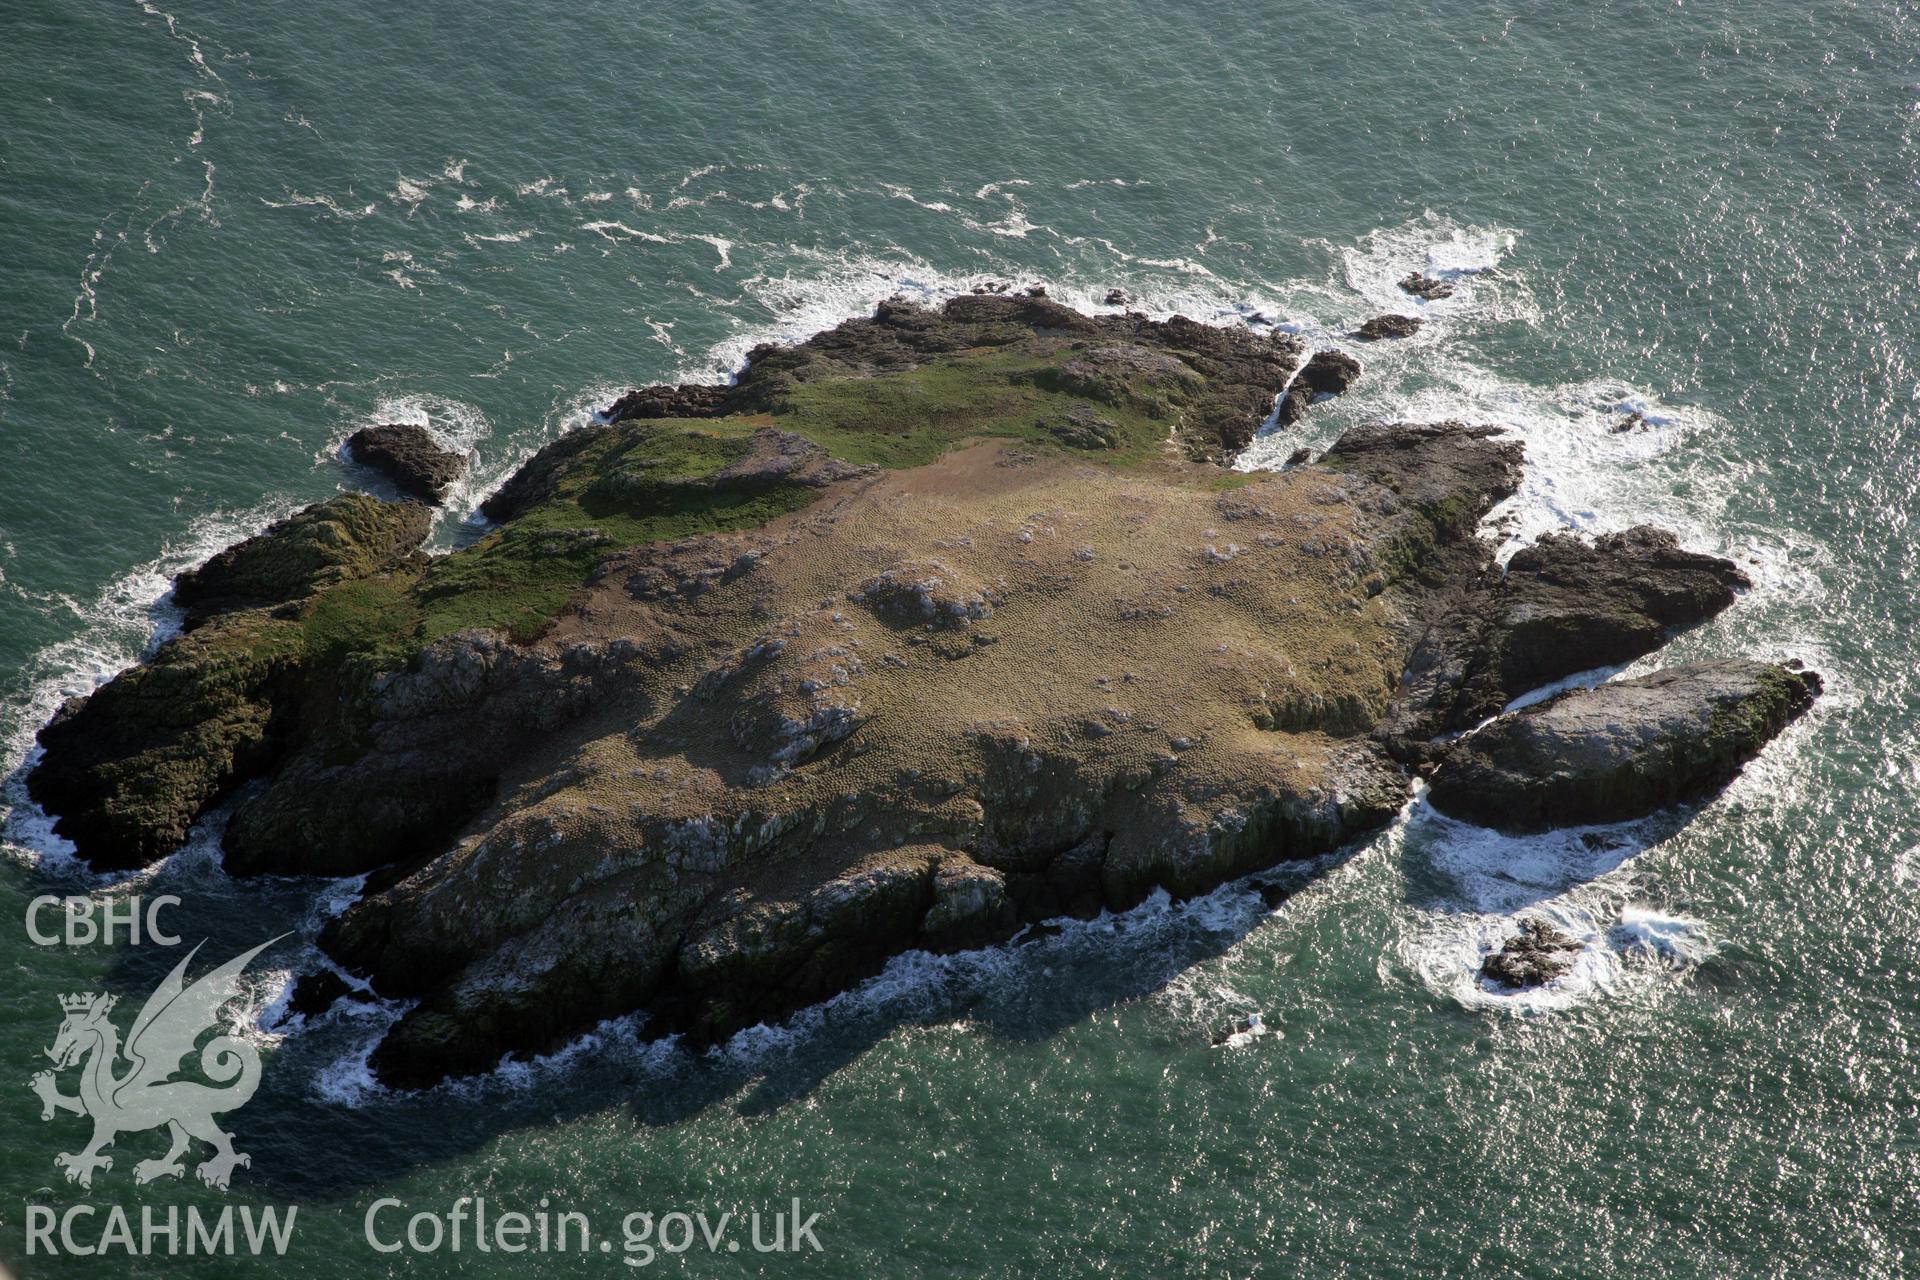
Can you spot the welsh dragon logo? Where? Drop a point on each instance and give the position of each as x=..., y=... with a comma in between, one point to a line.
x=144, y=1095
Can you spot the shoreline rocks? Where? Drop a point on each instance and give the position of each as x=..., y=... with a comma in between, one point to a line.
x=1326, y=375
x=1421, y=285
x=1562, y=606
x=349, y=536
x=130, y=768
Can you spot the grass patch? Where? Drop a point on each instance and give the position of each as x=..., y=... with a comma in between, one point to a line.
x=650, y=481
x=376, y=619
x=645, y=482
x=909, y=419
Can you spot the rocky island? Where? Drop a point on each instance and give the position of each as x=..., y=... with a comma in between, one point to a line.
x=942, y=622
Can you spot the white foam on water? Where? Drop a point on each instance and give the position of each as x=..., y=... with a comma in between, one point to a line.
x=1578, y=469
x=1533, y=697
x=1488, y=882
x=295, y=200
x=504, y=237
x=906, y=193
x=410, y=192
x=1467, y=257
x=1255, y=1029
x=617, y=231
x=1906, y=866
x=348, y=1082
x=455, y=425
x=916, y=988
x=1676, y=940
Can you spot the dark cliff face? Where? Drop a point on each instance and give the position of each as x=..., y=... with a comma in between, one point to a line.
x=128, y=770
x=936, y=625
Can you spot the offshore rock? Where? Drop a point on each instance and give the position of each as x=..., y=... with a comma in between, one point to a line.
x=829, y=766
x=1533, y=957
x=408, y=455
x=1421, y=285
x=1388, y=326
x=1327, y=374
x=936, y=626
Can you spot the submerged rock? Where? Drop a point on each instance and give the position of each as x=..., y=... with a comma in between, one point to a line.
x=409, y=456
x=1622, y=750
x=1389, y=326
x=1533, y=957
x=319, y=990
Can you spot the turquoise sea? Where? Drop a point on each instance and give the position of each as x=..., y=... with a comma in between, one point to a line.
x=231, y=233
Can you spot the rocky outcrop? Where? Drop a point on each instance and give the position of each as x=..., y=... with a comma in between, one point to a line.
x=409, y=456
x=351, y=536
x=418, y=755
x=1421, y=285
x=1622, y=750
x=1563, y=605
x=129, y=769
x=1452, y=473
x=659, y=401
x=1388, y=326
x=1533, y=957
x=897, y=751
x=1233, y=375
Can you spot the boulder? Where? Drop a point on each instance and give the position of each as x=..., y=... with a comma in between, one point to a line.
x=409, y=456
x=1328, y=373
x=1622, y=750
